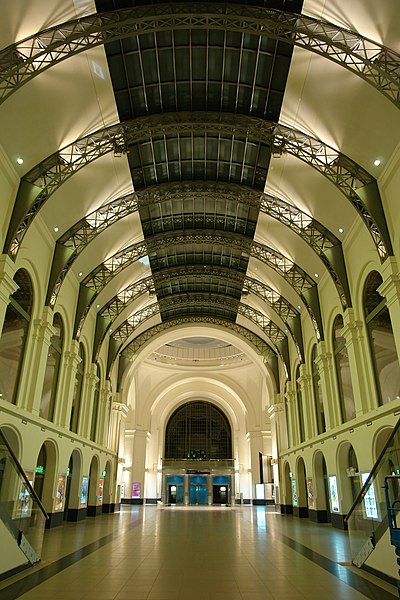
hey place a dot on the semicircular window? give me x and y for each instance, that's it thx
(198, 431)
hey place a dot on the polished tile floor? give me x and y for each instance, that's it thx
(156, 553)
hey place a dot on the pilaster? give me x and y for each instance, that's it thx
(103, 420)
(307, 398)
(290, 396)
(43, 331)
(7, 285)
(68, 371)
(390, 289)
(90, 383)
(361, 367)
(324, 362)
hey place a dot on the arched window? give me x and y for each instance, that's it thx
(14, 336)
(318, 399)
(78, 389)
(52, 371)
(380, 333)
(96, 404)
(343, 375)
(198, 430)
(300, 411)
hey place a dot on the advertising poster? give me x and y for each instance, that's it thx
(84, 490)
(100, 491)
(136, 490)
(371, 509)
(24, 500)
(310, 493)
(60, 494)
(334, 493)
(294, 493)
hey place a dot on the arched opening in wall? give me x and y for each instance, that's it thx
(349, 475)
(93, 508)
(52, 371)
(198, 468)
(381, 340)
(78, 389)
(343, 374)
(45, 477)
(388, 465)
(318, 491)
(73, 487)
(301, 510)
(317, 389)
(287, 505)
(108, 506)
(12, 486)
(14, 335)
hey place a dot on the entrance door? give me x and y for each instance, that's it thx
(198, 493)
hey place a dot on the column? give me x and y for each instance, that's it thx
(7, 285)
(360, 363)
(116, 432)
(324, 363)
(307, 398)
(85, 420)
(69, 367)
(43, 331)
(140, 437)
(104, 413)
(390, 289)
(290, 396)
(255, 440)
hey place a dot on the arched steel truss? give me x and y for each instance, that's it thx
(135, 346)
(268, 327)
(321, 240)
(352, 180)
(109, 313)
(301, 282)
(374, 63)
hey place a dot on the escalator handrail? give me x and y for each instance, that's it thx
(365, 487)
(32, 492)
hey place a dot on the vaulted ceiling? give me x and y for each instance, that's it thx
(201, 162)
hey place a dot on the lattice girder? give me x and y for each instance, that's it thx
(373, 62)
(44, 179)
(125, 297)
(311, 231)
(268, 327)
(259, 345)
(292, 273)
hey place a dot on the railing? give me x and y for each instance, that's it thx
(21, 510)
(198, 463)
(367, 519)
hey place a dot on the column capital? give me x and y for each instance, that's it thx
(43, 327)
(290, 393)
(7, 284)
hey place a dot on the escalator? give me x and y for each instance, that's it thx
(22, 516)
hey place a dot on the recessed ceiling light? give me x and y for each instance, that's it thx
(80, 273)
(341, 230)
(299, 307)
(316, 275)
(20, 160)
(97, 305)
(377, 162)
(56, 229)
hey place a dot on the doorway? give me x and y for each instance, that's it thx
(198, 493)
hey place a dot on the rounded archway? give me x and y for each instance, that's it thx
(320, 510)
(73, 487)
(301, 510)
(93, 508)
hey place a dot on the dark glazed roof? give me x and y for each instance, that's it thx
(187, 71)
